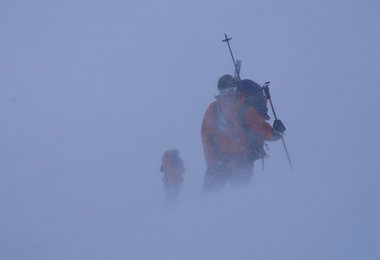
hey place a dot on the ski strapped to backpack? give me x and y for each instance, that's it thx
(237, 69)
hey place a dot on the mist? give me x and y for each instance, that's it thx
(93, 92)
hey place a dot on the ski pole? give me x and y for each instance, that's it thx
(237, 72)
(227, 40)
(267, 94)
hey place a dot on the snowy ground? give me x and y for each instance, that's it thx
(79, 211)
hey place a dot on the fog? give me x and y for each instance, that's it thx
(93, 92)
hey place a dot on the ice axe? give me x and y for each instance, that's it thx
(268, 96)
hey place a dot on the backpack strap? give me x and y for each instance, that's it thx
(220, 119)
(241, 115)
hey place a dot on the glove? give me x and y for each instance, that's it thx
(279, 126)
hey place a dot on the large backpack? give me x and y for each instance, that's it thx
(255, 98)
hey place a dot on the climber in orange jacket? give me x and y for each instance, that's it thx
(226, 129)
(172, 168)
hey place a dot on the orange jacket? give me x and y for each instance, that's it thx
(222, 132)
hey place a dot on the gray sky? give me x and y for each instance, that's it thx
(93, 92)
